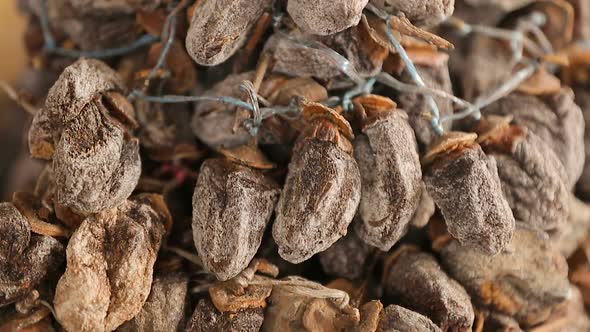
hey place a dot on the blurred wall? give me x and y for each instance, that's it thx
(12, 55)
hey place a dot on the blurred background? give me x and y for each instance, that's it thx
(15, 165)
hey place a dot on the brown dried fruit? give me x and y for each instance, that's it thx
(41, 259)
(206, 318)
(219, 27)
(183, 73)
(391, 177)
(464, 184)
(570, 316)
(325, 17)
(164, 308)
(321, 192)
(423, 13)
(213, 122)
(531, 175)
(89, 29)
(556, 119)
(416, 106)
(576, 229)
(424, 210)
(297, 304)
(540, 83)
(109, 7)
(15, 231)
(526, 281)
(232, 204)
(346, 258)
(582, 19)
(110, 262)
(416, 280)
(85, 128)
(396, 318)
(583, 99)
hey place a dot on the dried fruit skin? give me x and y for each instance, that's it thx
(213, 122)
(220, 27)
(319, 199)
(396, 318)
(391, 177)
(424, 13)
(15, 231)
(583, 100)
(110, 7)
(42, 257)
(95, 167)
(295, 308)
(416, 106)
(164, 308)
(425, 209)
(556, 119)
(419, 283)
(531, 177)
(346, 258)
(527, 281)
(110, 262)
(206, 318)
(232, 204)
(96, 164)
(89, 29)
(325, 17)
(466, 188)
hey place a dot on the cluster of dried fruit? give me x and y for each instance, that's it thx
(199, 154)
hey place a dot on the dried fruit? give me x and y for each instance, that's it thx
(298, 304)
(232, 204)
(85, 128)
(526, 281)
(531, 175)
(423, 13)
(164, 308)
(387, 155)
(15, 231)
(556, 119)
(416, 280)
(464, 184)
(424, 210)
(219, 27)
(110, 262)
(396, 318)
(326, 17)
(415, 105)
(41, 259)
(207, 318)
(346, 258)
(322, 189)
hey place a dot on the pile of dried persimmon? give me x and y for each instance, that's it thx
(298, 165)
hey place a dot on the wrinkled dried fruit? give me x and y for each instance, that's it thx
(346, 258)
(110, 262)
(424, 210)
(424, 13)
(164, 308)
(89, 28)
(526, 281)
(396, 318)
(85, 128)
(417, 107)
(556, 119)
(321, 192)
(571, 315)
(464, 184)
(416, 280)
(325, 17)
(109, 7)
(15, 231)
(387, 156)
(297, 304)
(220, 27)
(232, 204)
(41, 259)
(531, 175)
(576, 229)
(206, 318)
